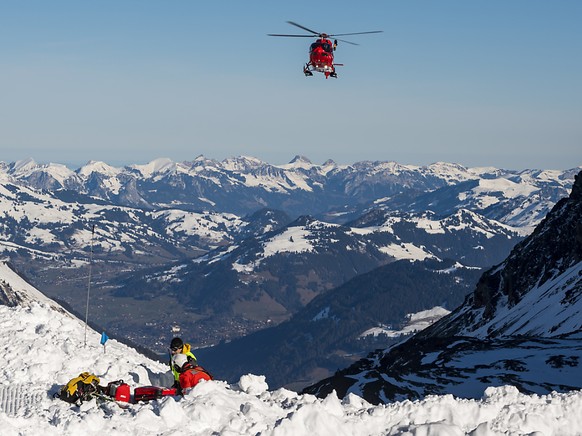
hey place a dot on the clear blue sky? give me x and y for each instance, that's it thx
(496, 82)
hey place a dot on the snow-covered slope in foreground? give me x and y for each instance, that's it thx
(42, 349)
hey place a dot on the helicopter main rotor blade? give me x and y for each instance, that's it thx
(303, 27)
(296, 36)
(356, 33)
(322, 35)
(349, 42)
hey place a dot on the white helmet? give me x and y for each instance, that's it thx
(179, 360)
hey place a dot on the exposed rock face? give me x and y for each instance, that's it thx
(16, 291)
(549, 252)
(7, 295)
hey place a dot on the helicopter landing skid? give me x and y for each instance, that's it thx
(306, 71)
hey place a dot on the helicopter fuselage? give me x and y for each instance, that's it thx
(321, 57)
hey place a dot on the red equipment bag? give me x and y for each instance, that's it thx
(147, 393)
(119, 391)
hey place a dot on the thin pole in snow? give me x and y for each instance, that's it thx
(89, 283)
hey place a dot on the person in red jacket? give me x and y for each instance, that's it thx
(190, 374)
(178, 346)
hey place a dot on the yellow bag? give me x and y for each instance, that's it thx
(79, 389)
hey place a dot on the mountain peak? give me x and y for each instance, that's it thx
(299, 158)
(94, 166)
(159, 165)
(23, 166)
(299, 162)
(41, 175)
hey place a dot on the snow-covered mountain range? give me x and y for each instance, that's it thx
(195, 206)
(522, 324)
(243, 185)
(235, 246)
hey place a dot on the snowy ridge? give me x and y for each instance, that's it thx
(214, 227)
(416, 322)
(37, 221)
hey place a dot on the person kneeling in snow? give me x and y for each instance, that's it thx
(190, 374)
(177, 346)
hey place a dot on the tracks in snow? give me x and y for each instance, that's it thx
(17, 399)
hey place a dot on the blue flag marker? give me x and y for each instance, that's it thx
(104, 338)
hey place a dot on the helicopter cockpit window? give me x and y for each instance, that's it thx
(325, 46)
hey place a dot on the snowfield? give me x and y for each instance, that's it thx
(42, 349)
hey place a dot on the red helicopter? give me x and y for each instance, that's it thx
(321, 51)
